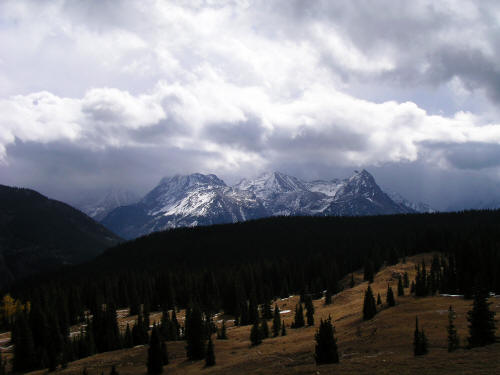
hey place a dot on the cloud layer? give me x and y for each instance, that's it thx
(140, 89)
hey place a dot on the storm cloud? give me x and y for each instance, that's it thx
(102, 93)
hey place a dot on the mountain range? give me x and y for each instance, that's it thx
(198, 199)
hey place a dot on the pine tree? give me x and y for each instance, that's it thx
(420, 343)
(369, 271)
(326, 345)
(390, 297)
(328, 297)
(195, 334)
(210, 357)
(299, 321)
(406, 280)
(24, 349)
(481, 321)
(379, 300)
(155, 363)
(453, 339)
(255, 334)
(401, 289)
(369, 307)
(222, 334)
(283, 328)
(276, 321)
(351, 284)
(309, 311)
(267, 313)
(264, 329)
(113, 371)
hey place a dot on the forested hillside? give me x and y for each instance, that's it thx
(39, 234)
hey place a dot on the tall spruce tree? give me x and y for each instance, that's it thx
(128, 341)
(113, 371)
(255, 334)
(222, 334)
(299, 321)
(328, 297)
(401, 289)
(283, 328)
(24, 349)
(453, 339)
(481, 320)
(264, 329)
(369, 306)
(369, 271)
(276, 321)
(406, 280)
(210, 356)
(379, 299)
(326, 345)
(195, 334)
(390, 297)
(155, 362)
(420, 344)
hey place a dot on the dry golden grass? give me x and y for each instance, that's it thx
(382, 345)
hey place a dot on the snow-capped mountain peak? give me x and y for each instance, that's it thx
(198, 199)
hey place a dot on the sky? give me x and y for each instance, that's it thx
(100, 94)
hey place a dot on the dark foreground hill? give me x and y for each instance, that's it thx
(38, 234)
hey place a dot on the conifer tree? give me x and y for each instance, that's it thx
(155, 363)
(175, 325)
(113, 371)
(267, 313)
(453, 339)
(481, 320)
(379, 300)
(299, 321)
(390, 297)
(255, 334)
(326, 345)
(195, 334)
(369, 271)
(283, 328)
(309, 311)
(222, 334)
(401, 289)
(406, 280)
(351, 284)
(420, 343)
(264, 329)
(328, 297)
(22, 339)
(369, 307)
(210, 357)
(276, 321)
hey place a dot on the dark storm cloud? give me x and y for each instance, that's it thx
(100, 93)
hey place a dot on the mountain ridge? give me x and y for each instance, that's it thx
(199, 199)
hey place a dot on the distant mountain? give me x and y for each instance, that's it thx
(417, 206)
(199, 199)
(183, 201)
(37, 233)
(98, 208)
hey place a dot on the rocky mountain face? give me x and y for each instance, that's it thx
(199, 199)
(38, 234)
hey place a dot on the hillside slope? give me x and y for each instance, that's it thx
(37, 234)
(382, 345)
